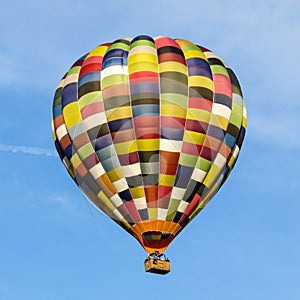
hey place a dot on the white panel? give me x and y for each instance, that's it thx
(120, 185)
(183, 206)
(131, 170)
(178, 193)
(95, 120)
(221, 110)
(116, 200)
(161, 213)
(117, 215)
(97, 171)
(142, 49)
(113, 70)
(198, 175)
(236, 151)
(71, 78)
(61, 131)
(170, 145)
(140, 203)
(220, 161)
(61, 84)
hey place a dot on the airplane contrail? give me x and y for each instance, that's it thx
(27, 150)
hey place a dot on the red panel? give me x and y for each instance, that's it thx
(172, 122)
(165, 191)
(192, 205)
(65, 142)
(90, 68)
(168, 162)
(58, 121)
(127, 159)
(91, 161)
(200, 103)
(222, 85)
(191, 149)
(146, 121)
(142, 76)
(81, 140)
(81, 170)
(197, 126)
(174, 57)
(91, 109)
(133, 211)
(151, 193)
(165, 41)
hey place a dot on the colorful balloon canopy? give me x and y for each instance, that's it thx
(149, 129)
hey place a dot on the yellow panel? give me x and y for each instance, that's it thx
(166, 180)
(244, 122)
(173, 111)
(198, 114)
(116, 174)
(75, 160)
(194, 137)
(137, 192)
(71, 114)
(119, 113)
(148, 145)
(201, 81)
(142, 57)
(152, 212)
(106, 201)
(145, 66)
(212, 175)
(126, 147)
(231, 161)
(183, 42)
(170, 66)
(194, 53)
(99, 51)
(219, 121)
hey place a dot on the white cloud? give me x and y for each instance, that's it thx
(27, 150)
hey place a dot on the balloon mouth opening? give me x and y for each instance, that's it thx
(156, 240)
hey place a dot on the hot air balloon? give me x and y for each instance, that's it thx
(149, 129)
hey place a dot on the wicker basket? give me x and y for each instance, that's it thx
(157, 266)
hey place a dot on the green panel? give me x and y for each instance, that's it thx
(89, 98)
(172, 209)
(188, 160)
(114, 79)
(203, 164)
(142, 43)
(217, 69)
(74, 70)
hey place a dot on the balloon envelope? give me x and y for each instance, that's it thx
(149, 129)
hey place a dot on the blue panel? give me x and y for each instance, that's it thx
(144, 87)
(114, 62)
(89, 77)
(69, 94)
(198, 67)
(229, 140)
(171, 134)
(121, 124)
(57, 110)
(145, 110)
(102, 142)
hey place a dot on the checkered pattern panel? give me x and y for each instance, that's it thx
(149, 129)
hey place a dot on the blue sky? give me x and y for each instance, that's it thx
(55, 245)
